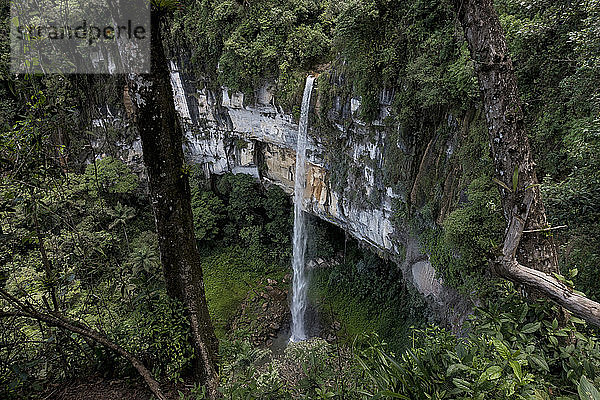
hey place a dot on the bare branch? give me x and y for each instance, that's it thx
(58, 320)
(553, 289)
(546, 229)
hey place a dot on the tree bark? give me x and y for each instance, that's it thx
(161, 136)
(515, 170)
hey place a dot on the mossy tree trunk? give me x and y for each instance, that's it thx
(157, 121)
(528, 255)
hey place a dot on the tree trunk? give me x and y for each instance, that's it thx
(161, 136)
(510, 146)
(515, 169)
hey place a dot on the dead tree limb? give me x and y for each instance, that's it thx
(58, 320)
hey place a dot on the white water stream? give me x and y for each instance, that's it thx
(300, 281)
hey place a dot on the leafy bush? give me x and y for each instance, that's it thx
(109, 176)
(278, 212)
(258, 42)
(574, 202)
(157, 331)
(311, 369)
(240, 377)
(470, 234)
(405, 45)
(515, 349)
(208, 211)
(240, 210)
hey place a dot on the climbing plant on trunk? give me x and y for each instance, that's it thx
(156, 119)
(528, 255)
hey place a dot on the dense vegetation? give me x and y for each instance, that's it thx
(415, 49)
(77, 234)
(514, 350)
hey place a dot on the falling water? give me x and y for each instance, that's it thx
(300, 284)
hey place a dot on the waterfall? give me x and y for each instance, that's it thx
(300, 281)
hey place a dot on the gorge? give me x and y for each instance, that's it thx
(260, 140)
(309, 199)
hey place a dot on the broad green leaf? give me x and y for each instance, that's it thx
(501, 348)
(539, 362)
(492, 373)
(388, 394)
(586, 390)
(531, 327)
(516, 367)
(461, 384)
(559, 277)
(455, 367)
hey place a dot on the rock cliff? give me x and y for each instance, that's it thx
(346, 185)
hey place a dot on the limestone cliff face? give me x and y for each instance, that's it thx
(261, 140)
(224, 134)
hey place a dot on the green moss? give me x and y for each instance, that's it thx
(392, 322)
(229, 274)
(459, 251)
(367, 294)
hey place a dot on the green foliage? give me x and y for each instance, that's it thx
(325, 239)
(404, 45)
(240, 375)
(258, 42)
(229, 274)
(209, 212)
(574, 202)
(96, 273)
(555, 48)
(144, 256)
(157, 331)
(557, 71)
(243, 198)
(511, 349)
(107, 270)
(471, 233)
(367, 294)
(514, 350)
(240, 210)
(311, 369)
(109, 176)
(276, 204)
(586, 390)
